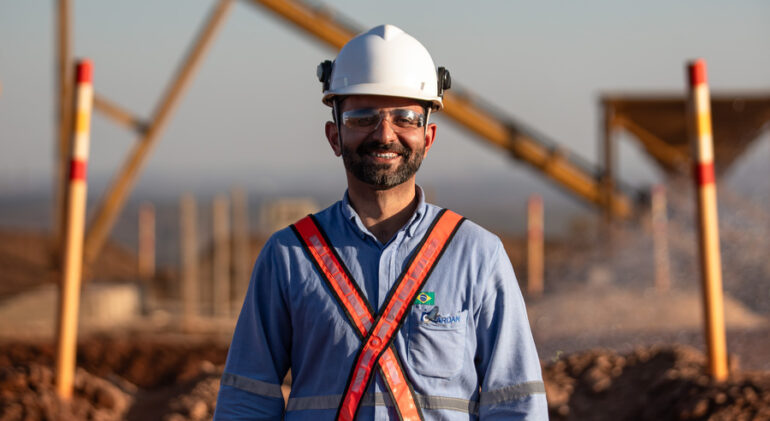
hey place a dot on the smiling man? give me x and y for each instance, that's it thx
(383, 306)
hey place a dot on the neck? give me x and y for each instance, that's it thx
(383, 212)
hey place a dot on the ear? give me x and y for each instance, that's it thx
(430, 136)
(332, 136)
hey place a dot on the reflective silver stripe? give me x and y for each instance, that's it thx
(382, 399)
(253, 386)
(452, 404)
(314, 402)
(511, 393)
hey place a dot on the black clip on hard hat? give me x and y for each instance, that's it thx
(324, 73)
(444, 80)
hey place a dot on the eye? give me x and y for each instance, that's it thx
(360, 118)
(366, 121)
(407, 119)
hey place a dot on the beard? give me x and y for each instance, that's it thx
(382, 176)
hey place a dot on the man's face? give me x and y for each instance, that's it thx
(388, 151)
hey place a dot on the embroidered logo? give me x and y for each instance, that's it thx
(436, 318)
(425, 297)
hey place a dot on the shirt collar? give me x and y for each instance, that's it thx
(411, 225)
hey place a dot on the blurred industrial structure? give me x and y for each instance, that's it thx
(657, 121)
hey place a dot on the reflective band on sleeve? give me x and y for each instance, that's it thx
(452, 404)
(511, 393)
(381, 399)
(256, 387)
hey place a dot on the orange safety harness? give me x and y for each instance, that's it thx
(377, 333)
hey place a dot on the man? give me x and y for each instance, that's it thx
(383, 306)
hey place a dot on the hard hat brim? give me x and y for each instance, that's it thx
(379, 89)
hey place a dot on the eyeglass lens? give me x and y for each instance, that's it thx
(370, 118)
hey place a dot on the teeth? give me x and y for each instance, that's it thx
(385, 155)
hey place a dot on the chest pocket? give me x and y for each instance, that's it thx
(436, 341)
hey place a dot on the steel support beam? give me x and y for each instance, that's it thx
(665, 153)
(116, 195)
(120, 115)
(553, 163)
(317, 22)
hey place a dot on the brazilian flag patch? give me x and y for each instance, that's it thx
(425, 297)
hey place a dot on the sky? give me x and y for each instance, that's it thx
(253, 115)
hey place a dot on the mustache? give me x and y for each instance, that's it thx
(368, 147)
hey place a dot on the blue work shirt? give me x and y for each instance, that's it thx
(472, 358)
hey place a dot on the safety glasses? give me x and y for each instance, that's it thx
(368, 119)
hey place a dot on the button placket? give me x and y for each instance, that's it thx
(385, 278)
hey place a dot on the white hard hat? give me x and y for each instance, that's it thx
(384, 61)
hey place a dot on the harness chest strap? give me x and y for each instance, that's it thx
(358, 311)
(377, 334)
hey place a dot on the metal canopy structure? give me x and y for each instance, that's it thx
(659, 123)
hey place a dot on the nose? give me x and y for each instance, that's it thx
(384, 131)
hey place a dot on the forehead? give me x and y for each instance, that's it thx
(374, 101)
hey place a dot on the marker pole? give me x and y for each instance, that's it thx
(708, 228)
(221, 261)
(75, 212)
(660, 239)
(241, 247)
(535, 246)
(146, 263)
(190, 287)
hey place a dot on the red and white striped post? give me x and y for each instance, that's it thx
(535, 246)
(75, 212)
(708, 224)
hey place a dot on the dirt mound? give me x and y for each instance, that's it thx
(199, 403)
(27, 260)
(167, 379)
(149, 363)
(658, 383)
(28, 393)
(118, 378)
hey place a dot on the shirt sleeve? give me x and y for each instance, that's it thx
(259, 355)
(506, 358)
